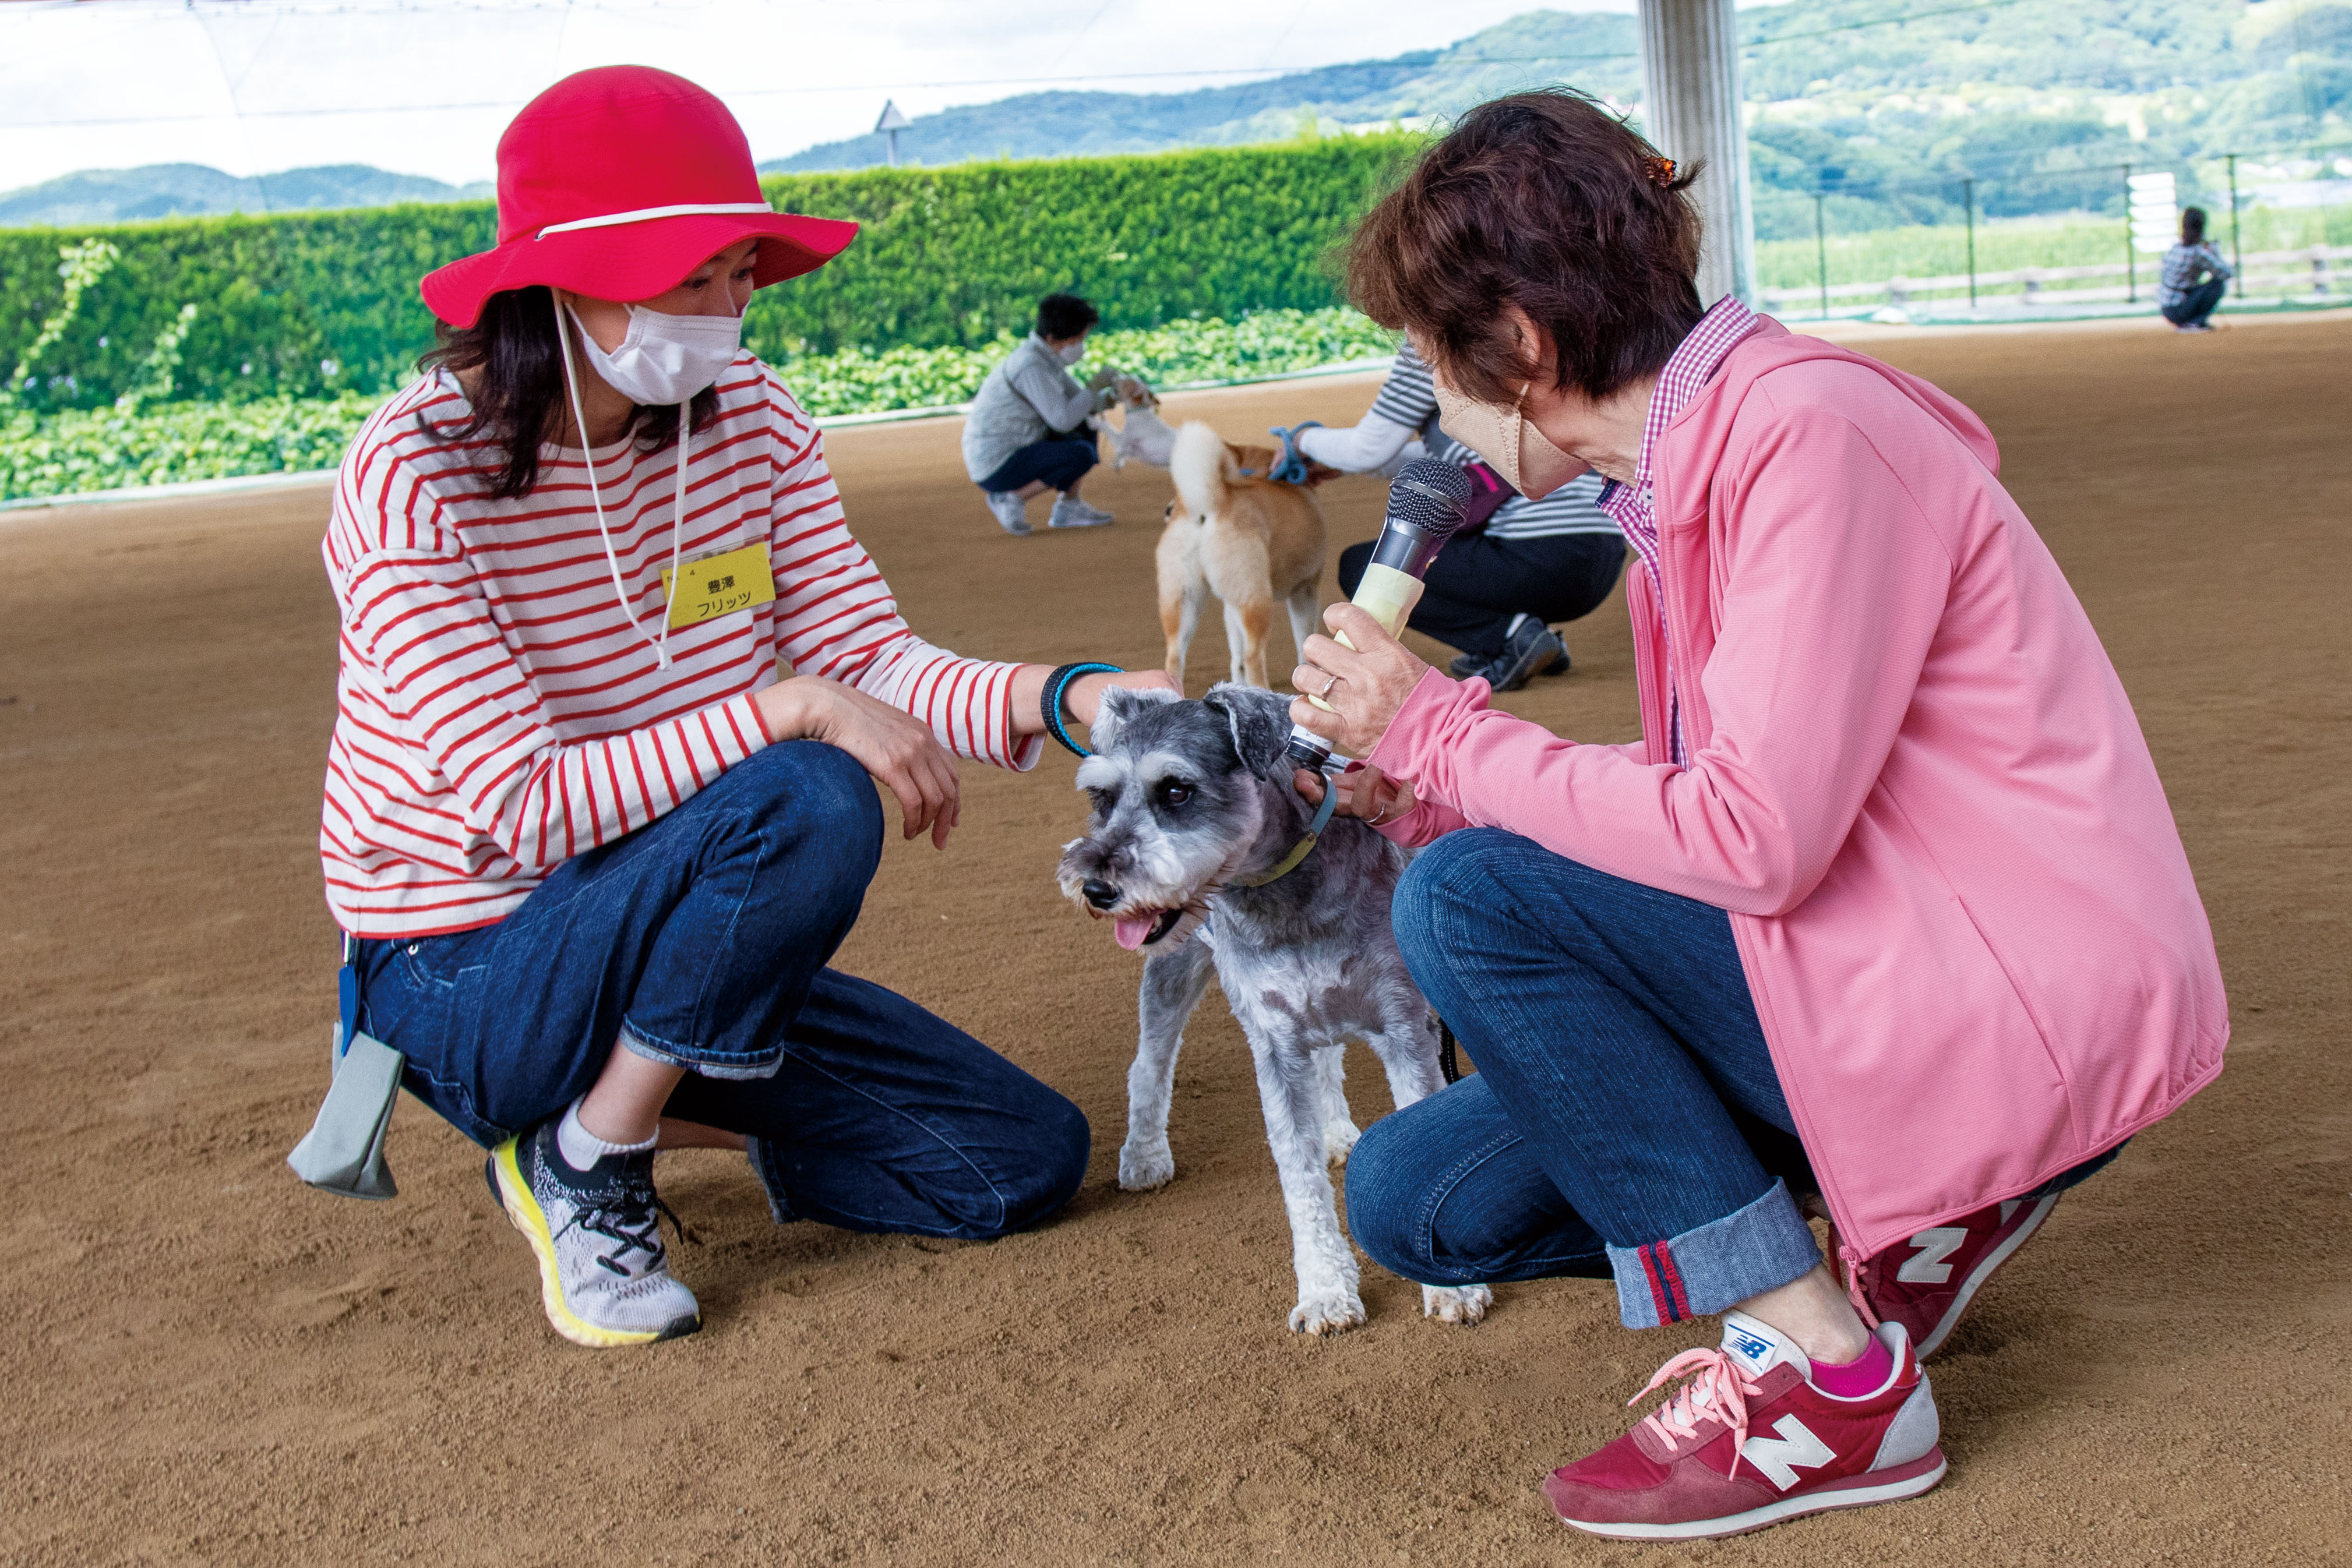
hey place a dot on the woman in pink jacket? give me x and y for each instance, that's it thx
(1885, 917)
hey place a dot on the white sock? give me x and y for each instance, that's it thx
(581, 1148)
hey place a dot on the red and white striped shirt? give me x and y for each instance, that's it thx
(498, 713)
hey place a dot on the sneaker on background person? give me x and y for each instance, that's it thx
(603, 1273)
(1929, 1282)
(1009, 509)
(1465, 665)
(1530, 649)
(1069, 512)
(1754, 1438)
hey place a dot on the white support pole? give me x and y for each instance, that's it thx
(1690, 110)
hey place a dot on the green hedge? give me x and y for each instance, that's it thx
(320, 304)
(69, 450)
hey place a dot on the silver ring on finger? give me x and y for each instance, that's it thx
(1330, 685)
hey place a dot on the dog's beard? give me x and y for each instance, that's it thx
(1165, 897)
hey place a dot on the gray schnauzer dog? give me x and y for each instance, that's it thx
(1190, 855)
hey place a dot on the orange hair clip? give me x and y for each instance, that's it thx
(1661, 171)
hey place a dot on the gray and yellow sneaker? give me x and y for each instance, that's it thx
(603, 1273)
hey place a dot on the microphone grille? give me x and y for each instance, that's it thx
(1429, 496)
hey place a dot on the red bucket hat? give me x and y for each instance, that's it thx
(618, 182)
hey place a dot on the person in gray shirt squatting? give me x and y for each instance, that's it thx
(1028, 433)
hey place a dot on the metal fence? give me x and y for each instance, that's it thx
(2316, 274)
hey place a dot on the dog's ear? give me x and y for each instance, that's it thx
(1260, 724)
(1118, 705)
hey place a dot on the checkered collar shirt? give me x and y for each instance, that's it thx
(1634, 508)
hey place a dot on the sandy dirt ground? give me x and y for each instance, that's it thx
(205, 1361)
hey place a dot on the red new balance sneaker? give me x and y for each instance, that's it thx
(1928, 1283)
(1750, 1441)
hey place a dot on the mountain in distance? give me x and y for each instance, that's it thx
(195, 190)
(1882, 119)
(2040, 102)
(1597, 52)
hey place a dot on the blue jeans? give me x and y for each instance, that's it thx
(1625, 1120)
(1058, 462)
(701, 939)
(2197, 304)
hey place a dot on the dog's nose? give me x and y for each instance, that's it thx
(1100, 893)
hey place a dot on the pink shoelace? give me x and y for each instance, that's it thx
(1717, 1394)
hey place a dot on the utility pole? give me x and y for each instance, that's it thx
(1821, 246)
(2237, 258)
(889, 125)
(1690, 110)
(1970, 197)
(2131, 253)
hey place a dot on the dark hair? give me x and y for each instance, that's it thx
(518, 398)
(1065, 316)
(1544, 201)
(2192, 225)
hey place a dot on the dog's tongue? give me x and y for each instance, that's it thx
(1132, 929)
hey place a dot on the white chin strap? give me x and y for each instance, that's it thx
(678, 521)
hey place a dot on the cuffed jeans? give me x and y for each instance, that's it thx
(1625, 1120)
(701, 939)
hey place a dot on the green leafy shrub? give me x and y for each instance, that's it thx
(72, 449)
(106, 448)
(318, 304)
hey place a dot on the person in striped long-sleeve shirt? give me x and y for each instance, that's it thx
(590, 854)
(1494, 590)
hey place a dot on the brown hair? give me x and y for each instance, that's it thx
(1547, 202)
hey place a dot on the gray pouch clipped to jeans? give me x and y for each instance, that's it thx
(344, 1150)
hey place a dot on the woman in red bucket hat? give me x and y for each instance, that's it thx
(590, 855)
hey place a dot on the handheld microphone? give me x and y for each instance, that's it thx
(1425, 508)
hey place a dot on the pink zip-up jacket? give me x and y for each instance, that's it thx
(1913, 780)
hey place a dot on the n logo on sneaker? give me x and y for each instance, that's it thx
(1926, 1266)
(1780, 1457)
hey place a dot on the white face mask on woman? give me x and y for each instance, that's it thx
(1506, 442)
(665, 359)
(658, 361)
(1071, 353)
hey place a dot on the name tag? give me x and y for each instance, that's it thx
(716, 585)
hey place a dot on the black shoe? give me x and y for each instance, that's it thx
(1531, 647)
(1465, 665)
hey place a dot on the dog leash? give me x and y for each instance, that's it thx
(1290, 469)
(1303, 847)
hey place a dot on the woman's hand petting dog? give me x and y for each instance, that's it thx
(1371, 794)
(896, 749)
(1367, 684)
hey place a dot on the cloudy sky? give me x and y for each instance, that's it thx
(425, 85)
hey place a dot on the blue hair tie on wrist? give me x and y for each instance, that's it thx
(1050, 700)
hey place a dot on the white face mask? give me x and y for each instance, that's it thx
(1506, 442)
(677, 390)
(1071, 353)
(665, 359)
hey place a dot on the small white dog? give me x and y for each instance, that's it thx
(1142, 435)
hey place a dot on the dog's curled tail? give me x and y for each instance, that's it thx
(1201, 468)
